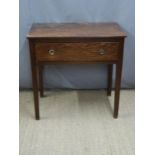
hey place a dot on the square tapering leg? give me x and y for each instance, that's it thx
(110, 70)
(34, 80)
(41, 86)
(117, 89)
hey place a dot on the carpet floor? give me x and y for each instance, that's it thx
(77, 123)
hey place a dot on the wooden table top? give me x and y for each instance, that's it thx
(64, 30)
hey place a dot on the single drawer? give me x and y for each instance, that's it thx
(92, 51)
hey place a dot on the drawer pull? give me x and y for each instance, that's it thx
(101, 51)
(51, 52)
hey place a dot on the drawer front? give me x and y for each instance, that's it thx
(94, 51)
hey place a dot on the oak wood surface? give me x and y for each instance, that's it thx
(54, 30)
(118, 74)
(77, 51)
(109, 83)
(40, 81)
(34, 79)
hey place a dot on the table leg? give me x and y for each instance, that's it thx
(117, 88)
(110, 70)
(41, 81)
(35, 92)
(34, 70)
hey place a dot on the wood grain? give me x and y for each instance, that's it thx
(60, 30)
(77, 51)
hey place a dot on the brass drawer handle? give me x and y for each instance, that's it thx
(101, 51)
(51, 52)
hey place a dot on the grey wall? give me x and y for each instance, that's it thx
(77, 76)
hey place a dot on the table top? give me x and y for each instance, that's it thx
(65, 30)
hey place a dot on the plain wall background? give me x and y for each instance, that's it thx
(77, 76)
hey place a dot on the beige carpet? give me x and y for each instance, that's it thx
(77, 123)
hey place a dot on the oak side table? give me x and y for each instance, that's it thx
(52, 43)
